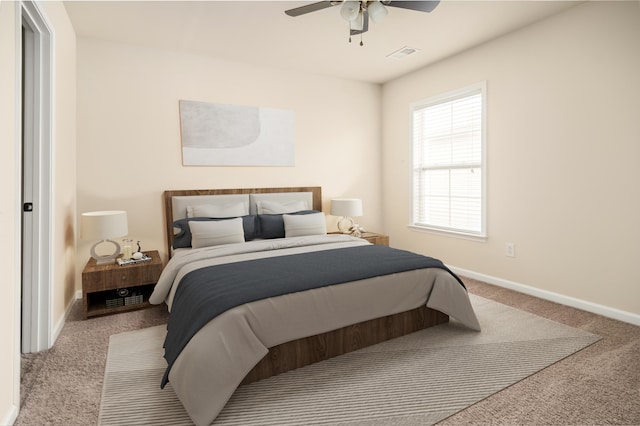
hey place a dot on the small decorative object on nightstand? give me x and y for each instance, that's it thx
(112, 288)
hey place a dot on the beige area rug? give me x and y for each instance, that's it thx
(417, 379)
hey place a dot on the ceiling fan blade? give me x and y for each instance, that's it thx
(420, 6)
(365, 24)
(313, 7)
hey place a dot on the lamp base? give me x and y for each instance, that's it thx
(108, 259)
(345, 223)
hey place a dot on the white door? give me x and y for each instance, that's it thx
(36, 177)
(28, 104)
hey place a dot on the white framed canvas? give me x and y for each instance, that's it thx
(235, 135)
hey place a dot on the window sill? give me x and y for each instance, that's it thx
(449, 233)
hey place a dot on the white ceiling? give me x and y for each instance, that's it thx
(259, 32)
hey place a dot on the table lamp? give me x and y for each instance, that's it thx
(347, 208)
(103, 226)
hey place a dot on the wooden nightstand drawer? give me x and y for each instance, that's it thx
(115, 278)
(151, 273)
(126, 276)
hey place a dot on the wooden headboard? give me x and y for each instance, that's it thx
(168, 201)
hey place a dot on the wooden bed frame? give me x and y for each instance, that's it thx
(298, 353)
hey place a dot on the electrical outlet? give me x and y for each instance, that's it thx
(510, 249)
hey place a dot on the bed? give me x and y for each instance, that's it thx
(256, 287)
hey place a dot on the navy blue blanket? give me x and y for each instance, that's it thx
(206, 293)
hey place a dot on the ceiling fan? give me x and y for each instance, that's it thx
(357, 13)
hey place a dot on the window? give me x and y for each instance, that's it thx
(448, 162)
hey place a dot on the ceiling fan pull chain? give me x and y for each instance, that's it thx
(361, 43)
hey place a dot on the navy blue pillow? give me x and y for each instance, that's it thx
(183, 239)
(272, 225)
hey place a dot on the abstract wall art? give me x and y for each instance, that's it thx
(235, 135)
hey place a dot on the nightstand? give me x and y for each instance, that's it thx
(372, 237)
(104, 286)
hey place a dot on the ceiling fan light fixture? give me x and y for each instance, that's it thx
(350, 10)
(377, 11)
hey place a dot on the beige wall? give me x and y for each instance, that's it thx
(64, 160)
(129, 148)
(9, 233)
(563, 152)
(63, 190)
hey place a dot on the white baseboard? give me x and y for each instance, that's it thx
(10, 417)
(595, 308)
(58, 327)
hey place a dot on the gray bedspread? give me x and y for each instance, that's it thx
(207, 292)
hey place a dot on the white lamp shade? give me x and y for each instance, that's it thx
(349, 10)
(103, 225)
(348, 207)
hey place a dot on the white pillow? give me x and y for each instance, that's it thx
(216, 232)
(217, 211)
(298, 225)
(272, 207)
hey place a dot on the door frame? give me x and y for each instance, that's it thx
(36, 304)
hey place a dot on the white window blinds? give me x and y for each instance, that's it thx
(448, 162)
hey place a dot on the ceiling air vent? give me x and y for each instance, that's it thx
(403, 52)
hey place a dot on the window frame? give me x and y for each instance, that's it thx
(467, 91)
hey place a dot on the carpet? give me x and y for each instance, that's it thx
(417, 379)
